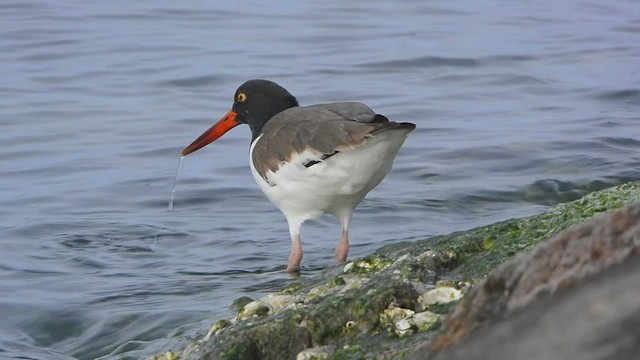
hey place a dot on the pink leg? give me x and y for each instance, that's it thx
(295, 258)
(342, 250)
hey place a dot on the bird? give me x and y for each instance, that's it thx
(311, 160)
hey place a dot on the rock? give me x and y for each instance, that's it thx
(254, 309)
(316, 353)
(343, 308)
(368, 264)
(216, 328)
(551, 267)
(403, 327)
(238, 304)
(425, 320)
(169, 355)
(438, 296)
(325, 320)
(278, 302)
(395, 318)
(268, 305)
(394, 314)
(596, 320)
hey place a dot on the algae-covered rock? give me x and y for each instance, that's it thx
(268, 305)
(395, 318)
(464, 255)
(405, 322)
(254, 309)
(216, 328)
(368, 264)
(394, 314)
(439, 296)
(599, 319)
(403, 327)
(425, 320)
(342, 310)
(238, 304)
(552, 266)
(316, 353)
(169, 355)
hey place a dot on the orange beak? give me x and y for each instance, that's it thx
(218, 129)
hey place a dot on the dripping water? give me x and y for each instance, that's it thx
(175, 182)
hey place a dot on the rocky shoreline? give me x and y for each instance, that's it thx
(403, 302)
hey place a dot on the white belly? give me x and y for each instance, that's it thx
(334, 186)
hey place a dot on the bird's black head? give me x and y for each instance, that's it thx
(257, 101)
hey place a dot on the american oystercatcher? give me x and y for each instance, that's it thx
(311, 160)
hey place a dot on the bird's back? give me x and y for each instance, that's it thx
(324, 129)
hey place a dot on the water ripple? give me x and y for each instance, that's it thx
(196, 81)
(422, 62)
(627, 96)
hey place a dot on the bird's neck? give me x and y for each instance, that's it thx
(256, 129)
(257, 123)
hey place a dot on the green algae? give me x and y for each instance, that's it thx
(331, 315)
(368, 264)
(337, 281)
(238, 304)
(348, 352)
(218, 326)
(443, 309)
(432, 323)
(479, 250)
(291, 288)
(169, 355)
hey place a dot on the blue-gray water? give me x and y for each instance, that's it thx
(519, 105)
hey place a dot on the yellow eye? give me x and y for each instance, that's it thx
(241, 97)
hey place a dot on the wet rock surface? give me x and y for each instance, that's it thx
(598, 319)
(390, 305)
(335, 317)
(552, 266)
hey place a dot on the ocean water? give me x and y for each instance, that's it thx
(519, 105)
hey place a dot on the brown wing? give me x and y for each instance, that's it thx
(326, 129)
